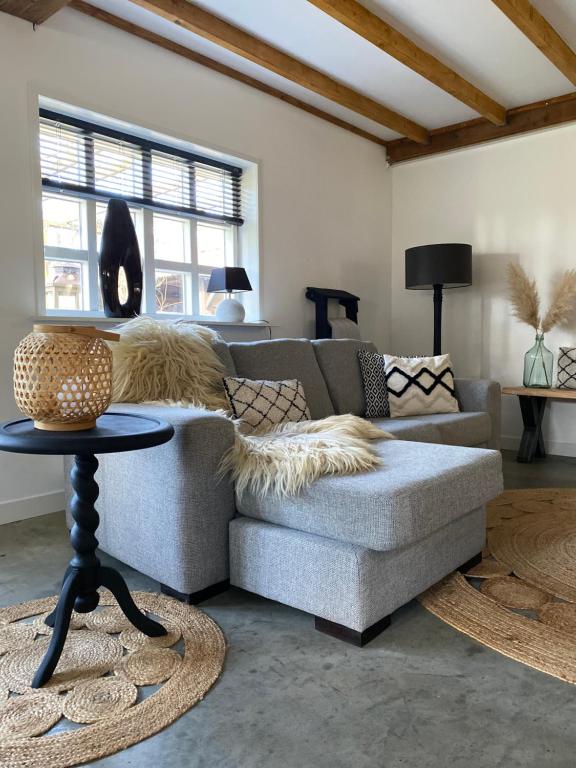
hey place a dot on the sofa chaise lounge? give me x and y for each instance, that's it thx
(349, 549)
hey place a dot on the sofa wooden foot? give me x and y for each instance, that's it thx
(476, 560)
(351, 635)
(196, 597)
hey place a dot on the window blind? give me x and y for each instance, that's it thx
(89, 160)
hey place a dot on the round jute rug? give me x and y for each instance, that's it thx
(522, 600)
(112, 688)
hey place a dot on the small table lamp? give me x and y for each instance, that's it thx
(444, 265)
(229, 280)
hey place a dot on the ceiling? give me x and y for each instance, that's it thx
(473, 37)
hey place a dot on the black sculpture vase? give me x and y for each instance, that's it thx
(119, 250)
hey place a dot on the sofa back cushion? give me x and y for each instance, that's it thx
(221, 349)
(338, 361)
(285, 359)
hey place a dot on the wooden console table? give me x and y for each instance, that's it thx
(532, 404)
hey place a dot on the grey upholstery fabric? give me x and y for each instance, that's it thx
(164, 513)
(416, 428)
(482, 395)
(221, 349)
(467, 429)
(338, 361)
(162, 510)
(285, 359)
(419, 488)
(343, 582)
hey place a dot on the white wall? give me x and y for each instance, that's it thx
(512, 200)
(324, 193)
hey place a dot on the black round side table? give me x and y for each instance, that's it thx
(114, 432)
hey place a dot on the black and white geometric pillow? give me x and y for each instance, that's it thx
(373, 370)
(263, 404)
(567, 368)
(420, 385)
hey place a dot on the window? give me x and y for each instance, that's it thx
(185, 208)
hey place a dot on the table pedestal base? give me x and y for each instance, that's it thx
(532, 442)
(85, 574)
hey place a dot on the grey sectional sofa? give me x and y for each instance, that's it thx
(349, 550)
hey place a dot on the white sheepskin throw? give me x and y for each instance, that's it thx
(170, 362)
(292, 455)
(175, 364)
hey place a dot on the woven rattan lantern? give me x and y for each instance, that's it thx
(63, 376)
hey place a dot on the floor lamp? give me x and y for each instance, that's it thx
(438, 266)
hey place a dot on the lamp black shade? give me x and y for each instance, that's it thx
(445, 264)
(438, 266)
(228, 280)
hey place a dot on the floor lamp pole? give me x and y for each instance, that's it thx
(437, 319)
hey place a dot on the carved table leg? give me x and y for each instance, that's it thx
(62, 622)
(85, 574)
(115, 583)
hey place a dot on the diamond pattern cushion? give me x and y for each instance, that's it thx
(567, 368)
(262, 404)
(281, 359)
(420, 385)
(373, 370)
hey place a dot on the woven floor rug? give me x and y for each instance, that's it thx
(521, 600)
(113, 686)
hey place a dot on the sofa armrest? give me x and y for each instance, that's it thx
(482, 395)
(163, 510)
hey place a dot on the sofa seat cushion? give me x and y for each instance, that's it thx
(464, 428)
(419, 488)
(417, 428)
(282, 359)
(468, 429)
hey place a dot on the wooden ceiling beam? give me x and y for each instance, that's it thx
(36, 11)
(205, 61)
(540, 32)
(530, 117)
(378, 32)
(234, 39)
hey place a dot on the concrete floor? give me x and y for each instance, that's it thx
(420, 696)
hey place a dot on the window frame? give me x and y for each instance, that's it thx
(90, 197)
(88, 256)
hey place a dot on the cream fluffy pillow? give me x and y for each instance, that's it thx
(420, 385)
(157, 360)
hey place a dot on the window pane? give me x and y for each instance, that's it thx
(101, 209)
(211, 245)
(170, 292)
(62, 153)
(171, 238)
(170, 181)
(213, 191)
(62, 217)
(65, 285)
(208, 301)
(118, 168)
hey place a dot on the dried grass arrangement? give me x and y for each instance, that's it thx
(525, 300)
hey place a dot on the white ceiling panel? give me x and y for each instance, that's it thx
(477, 40)
(167, 29)
(562, 15)
(472, 36)
(302, 30)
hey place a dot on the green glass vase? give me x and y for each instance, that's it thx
(538, 365)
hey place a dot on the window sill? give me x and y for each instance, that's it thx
(94, 319)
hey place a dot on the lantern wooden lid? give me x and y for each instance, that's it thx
(79, 330)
